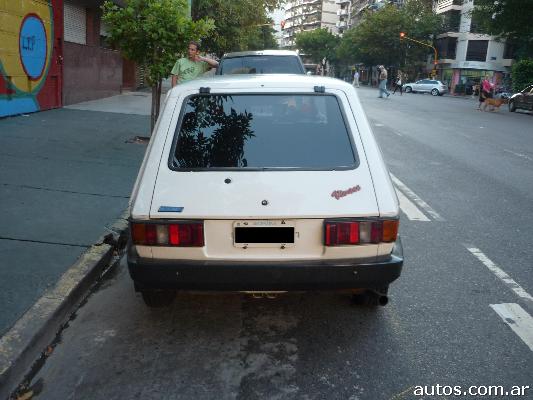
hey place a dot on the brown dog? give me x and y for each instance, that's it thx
(493, 104)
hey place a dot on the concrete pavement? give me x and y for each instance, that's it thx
(65, 178)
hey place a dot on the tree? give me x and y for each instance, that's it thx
(240, 24)
(320, 45)
(508, 19)
(522, 74)
(376, 40)
(153, 33)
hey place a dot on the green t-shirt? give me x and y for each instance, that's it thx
(187, 70)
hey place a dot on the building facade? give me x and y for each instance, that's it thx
(54, 53)
(465, 54)
(308, 15)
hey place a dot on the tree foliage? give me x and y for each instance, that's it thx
(522, 74)
(318, 45)
(240, 24)
(153, 33)
(509, 19)
(376, 40)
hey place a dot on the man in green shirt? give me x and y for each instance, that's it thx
(187, 69)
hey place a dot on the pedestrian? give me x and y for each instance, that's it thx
(382, 79)
(356, 79)
(484, 93)
(398, 84)
(192, 66)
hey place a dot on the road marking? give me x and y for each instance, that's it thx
(379, 125)
(518, 320)
(414, 197)
(500, 273)
(519, 154)
(409, 209)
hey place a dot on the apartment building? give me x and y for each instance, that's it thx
(465, 54)
(308, 15)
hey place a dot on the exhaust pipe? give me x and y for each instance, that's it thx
(371, 298)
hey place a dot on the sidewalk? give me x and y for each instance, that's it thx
(65, 176)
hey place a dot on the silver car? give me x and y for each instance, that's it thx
(436, 88)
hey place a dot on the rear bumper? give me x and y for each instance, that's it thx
(239, 276)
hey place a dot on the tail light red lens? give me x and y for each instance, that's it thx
(181, 234)
(338, 233)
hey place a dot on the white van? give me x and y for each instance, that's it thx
(263, 183)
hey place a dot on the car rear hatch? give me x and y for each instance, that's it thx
(290, 171)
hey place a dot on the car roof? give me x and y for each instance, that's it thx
(261, 53)
(266, 81)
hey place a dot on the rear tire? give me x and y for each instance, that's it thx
(434, 92)
(512, 106)
(408, 89)
(158, 298)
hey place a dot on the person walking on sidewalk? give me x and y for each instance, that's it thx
(192, 66)
(356, 79)
(382, 77)
(398, 84)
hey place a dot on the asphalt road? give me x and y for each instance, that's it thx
(458, 315)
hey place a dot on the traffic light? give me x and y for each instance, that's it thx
(402, 35)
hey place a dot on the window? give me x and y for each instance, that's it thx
(447, 47)
(477, 50)
(302, 131)
(451, 20)
(261, 65)
(75, 23)
(510, 50)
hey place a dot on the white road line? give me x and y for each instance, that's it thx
(414, 197)
(409, 209)
(519, 154)
(500, 273)
(518, 320)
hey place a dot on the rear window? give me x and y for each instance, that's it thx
(302, 131)
(261, 65)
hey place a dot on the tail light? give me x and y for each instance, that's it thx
(347, 232)
(177, 234)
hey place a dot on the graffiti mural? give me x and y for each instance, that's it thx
(30, 55)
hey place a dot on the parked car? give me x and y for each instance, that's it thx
(270, 184)
(261, 62)
(436, 88)
(522, 100)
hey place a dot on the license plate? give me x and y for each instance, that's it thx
(263, 233)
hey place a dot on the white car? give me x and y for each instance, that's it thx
(436, 88)
(263, 183)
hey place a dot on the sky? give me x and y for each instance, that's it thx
(277, 16)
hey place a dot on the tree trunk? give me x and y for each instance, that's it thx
(156, 103)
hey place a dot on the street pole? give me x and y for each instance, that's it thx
(435, 61)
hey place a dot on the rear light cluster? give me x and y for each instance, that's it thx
(339, 233)
(179, 234)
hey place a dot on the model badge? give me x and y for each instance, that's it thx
(341, 193)
(170, 209)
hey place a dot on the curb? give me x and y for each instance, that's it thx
(25, 342)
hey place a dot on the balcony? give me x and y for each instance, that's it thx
(447, 5)
(342, 12)
(341, 1)
(341, 24)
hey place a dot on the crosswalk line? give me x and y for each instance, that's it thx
(518, 320)
(409, 209)
(416, 199)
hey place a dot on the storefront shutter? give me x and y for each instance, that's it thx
(75, 23)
